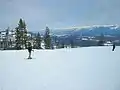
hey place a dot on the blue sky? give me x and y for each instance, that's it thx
(58, 13)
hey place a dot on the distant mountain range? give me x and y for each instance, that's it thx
(111, 30)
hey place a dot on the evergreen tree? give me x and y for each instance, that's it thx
(101, 41)
(55, 40)
(31, 36)
(47, 39)
(25, 37)
(22, 32)
(62, 46)
(72, 43)
(6, 37)
(10, 43)
(57, 44)
(17, 38)
(38, 41)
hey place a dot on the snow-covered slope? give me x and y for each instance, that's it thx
(93, 68)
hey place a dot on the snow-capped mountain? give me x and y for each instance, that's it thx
(112, 30)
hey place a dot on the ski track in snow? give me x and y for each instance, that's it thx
(91, 68)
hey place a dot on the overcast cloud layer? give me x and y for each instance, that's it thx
(58, 13)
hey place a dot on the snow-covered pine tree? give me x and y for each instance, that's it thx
(38, 41)
(47, 39)
(25, 37)
(6, 38)
(17, 38)
(21, 29)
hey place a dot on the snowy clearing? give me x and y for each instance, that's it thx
(92, 68)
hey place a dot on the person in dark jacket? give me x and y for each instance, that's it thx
(29, 50)
(113, 47)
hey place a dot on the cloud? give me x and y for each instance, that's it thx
(58, 13)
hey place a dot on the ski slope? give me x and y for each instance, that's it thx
(91, 68)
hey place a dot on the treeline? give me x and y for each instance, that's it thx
(22, 37)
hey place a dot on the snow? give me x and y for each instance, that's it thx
(89, 27)
(92, 68)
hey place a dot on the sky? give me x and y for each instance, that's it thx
(58, 13)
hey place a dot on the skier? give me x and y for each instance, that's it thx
(29, 50)
(113, 47)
